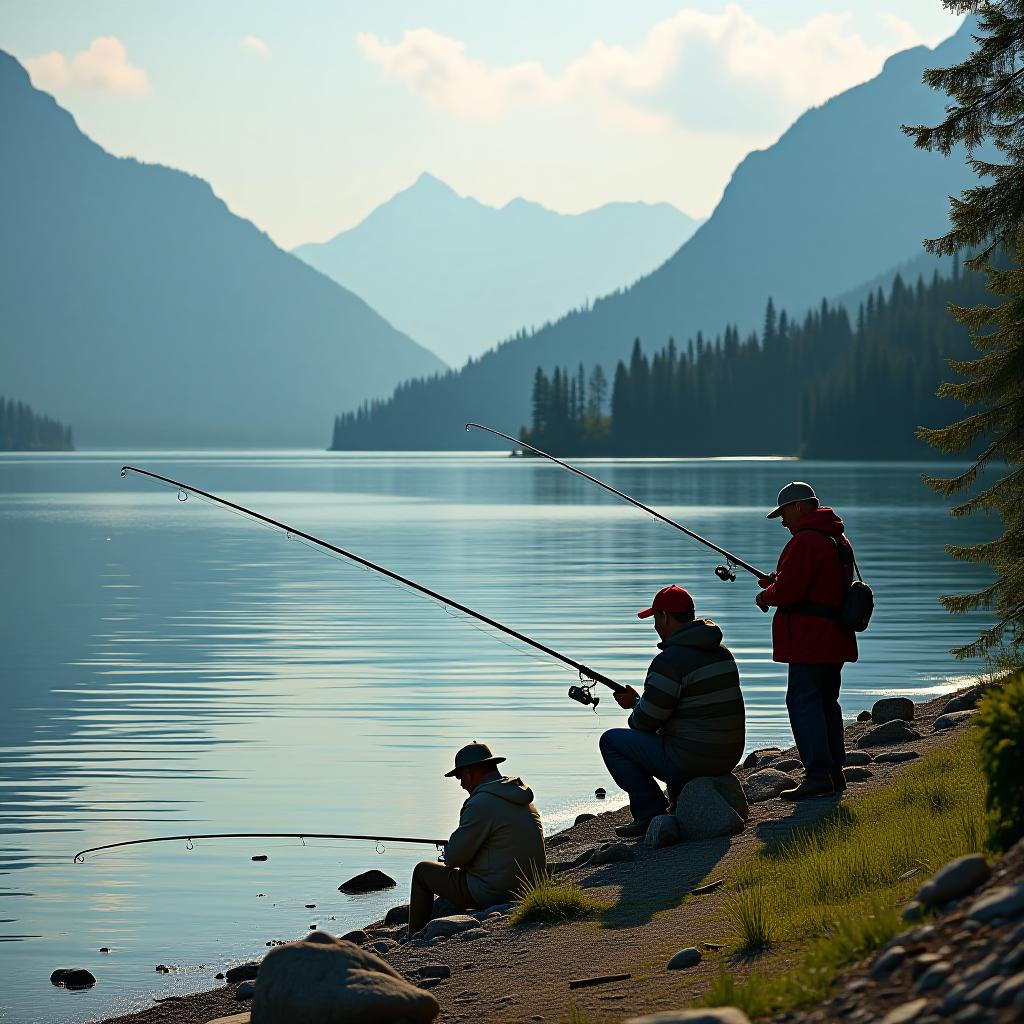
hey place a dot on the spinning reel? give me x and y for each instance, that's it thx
(583, 694)
(726, 573)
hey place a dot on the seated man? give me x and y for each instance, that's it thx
(689, 720)
(499, 842)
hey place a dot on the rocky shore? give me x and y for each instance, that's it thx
(664, 938)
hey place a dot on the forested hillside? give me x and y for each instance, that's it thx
(831, 386)
(22, 430)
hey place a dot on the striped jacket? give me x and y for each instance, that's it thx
(692, 698)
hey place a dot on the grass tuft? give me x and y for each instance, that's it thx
(541, 898)
(750, 913)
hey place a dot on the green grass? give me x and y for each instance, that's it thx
(541, 898)
(833, 889)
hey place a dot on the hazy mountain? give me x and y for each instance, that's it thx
(459, 275)
(136, 303)
(842, 195)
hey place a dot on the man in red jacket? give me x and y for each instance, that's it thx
(807, 589)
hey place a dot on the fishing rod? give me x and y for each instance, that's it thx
(303, 836)
(723, 572)
(578, 693)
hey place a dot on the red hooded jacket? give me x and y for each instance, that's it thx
(809, 570)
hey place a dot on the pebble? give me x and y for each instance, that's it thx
(983, 993)
(888, 962)
(688, 957)
(1008, 990)
(905, 1013)
(911, 912)
(1001, 901)
(935, 976)
(857, 774)
(921, 963)
(439, 971)
(382, 946)
(472, 934)
(613, 853)
(858, 758)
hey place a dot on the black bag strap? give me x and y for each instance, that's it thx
(827, 611)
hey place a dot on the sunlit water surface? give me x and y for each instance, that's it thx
(169, 667)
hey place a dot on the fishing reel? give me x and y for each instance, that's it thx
(726, 573)
(584, 696)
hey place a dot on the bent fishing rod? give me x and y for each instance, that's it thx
(379, 840)
(577, 693)
(723, 572)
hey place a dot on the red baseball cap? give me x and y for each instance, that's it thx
(669, 599)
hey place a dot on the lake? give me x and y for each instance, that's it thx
(170, 667)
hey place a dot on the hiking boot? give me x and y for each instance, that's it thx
(838, 780)
(811, 787)
(634, 830)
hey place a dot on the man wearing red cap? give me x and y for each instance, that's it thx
(807, 589)
(688, 722)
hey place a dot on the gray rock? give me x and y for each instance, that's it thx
(711, 806)
(1001, 901)
(397, 915)
(888, 962)
(982, 970)
(662, 831)
(761, 757)
(446, 927)
(857, 774)
(891, 732)
(434, 971)
(357, 935)
(788, 764)
(896, 756)
(242, 972)
(585, 816)
(864, 716)
(935, 976)
(472, 934)
(1008, 990)
(891, 709)
(496, 908)
(382, 946)
(954, 999)
(613, 853)
(963, 702)
(958, 878)
(245, 991)
(326, 980)
(858, 758)
(952, 720)
(912, 912)
(984, 992)
(73, 978)
(765, 784)
(715, 1015)
(369, 881)
(905, 1013)
(750, 760)
(688, 957)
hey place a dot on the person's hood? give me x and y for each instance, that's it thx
(514, 790)
(823, 519)
(702, 633)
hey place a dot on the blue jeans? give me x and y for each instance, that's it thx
(816, 718)
(635, 759)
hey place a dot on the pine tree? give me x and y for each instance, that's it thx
(988, 105)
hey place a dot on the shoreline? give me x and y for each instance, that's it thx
(501, 963)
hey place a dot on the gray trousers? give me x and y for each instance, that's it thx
(431, 878)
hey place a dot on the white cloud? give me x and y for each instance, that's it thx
(253, 44)
(104, 67)
(797, 67)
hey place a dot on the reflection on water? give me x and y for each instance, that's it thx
(170, 667)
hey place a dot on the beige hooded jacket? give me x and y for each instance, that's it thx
(499, 841)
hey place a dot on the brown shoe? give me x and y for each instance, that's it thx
(811, 787)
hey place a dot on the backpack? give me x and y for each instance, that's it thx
(854, 613)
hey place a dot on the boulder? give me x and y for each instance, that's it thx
(858, 758)
(357, 935)
(762, 756)
(712, 1015)
(896, 731)
(952, 720)
(438, 971)
(585, 816)
(963, 702)
(245, 991)
(73, 978)
(711, 806)
(242, 972)
(612, 853)
(685, 958)
(864, 716)
(382, 946)
(857, 774)
(958, 878)
(397, 915)
(788, 764)
(324, 979)
(446, 927)
(662, 831)
(895, 756)
(765, 784)
(1001, 901)
(369, 881)
(892, 709)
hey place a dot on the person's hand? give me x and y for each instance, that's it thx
(764, 582)
(626, 698)
(761, 601)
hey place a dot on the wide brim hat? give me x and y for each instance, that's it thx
(795, 491)
(471, 755)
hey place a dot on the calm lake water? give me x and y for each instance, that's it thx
(169, 667)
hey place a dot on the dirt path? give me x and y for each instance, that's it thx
(522, 974)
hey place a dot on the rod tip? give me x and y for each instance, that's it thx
(124, 471)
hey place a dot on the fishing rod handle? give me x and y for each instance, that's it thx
(600, 678)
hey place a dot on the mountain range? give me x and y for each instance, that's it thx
(459, 275)
(138, 308)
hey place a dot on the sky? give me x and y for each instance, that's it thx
(306, 116)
